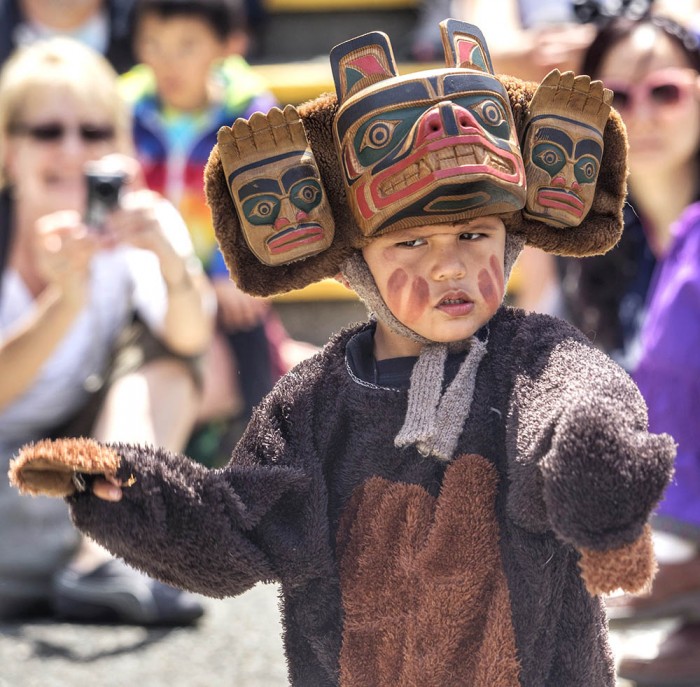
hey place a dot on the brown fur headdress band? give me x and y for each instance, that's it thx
(295, 192)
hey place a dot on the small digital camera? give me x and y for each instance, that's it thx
(104, 187)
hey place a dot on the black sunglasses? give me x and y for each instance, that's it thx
(55, 131)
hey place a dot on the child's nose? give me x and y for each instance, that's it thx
(445, 119)
(448, 264)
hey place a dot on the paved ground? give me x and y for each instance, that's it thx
(237, 644)
(641, 641)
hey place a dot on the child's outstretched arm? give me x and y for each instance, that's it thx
(204, 530)
(579, 420)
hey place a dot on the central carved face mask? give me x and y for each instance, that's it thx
(431, 147)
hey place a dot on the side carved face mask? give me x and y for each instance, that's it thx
(276, 187)
(563, 148)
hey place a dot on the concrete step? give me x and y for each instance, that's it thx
(309, 29)
(296, 82)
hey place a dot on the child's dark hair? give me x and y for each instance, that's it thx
(224, 17)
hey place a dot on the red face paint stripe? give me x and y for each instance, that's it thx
(395, 286)
(487, 288)
(420, 296)
(497, 267)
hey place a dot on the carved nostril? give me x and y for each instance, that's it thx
(433, 122)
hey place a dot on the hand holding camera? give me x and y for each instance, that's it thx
(119, 208)
(118, 211)
(63, 251)
(135, 215)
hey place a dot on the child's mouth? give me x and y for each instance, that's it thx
(456, 306)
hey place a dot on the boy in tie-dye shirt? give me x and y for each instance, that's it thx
(191, 81)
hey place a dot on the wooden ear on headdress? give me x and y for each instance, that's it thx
(465, 46)
(309, 127)
(575, 151)
(361, 62)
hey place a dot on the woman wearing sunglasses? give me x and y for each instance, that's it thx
(642, 303)
(99, 325)
(652, 64)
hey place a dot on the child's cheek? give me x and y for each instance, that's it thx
(407, 303)
(394, 290)
(491, 284)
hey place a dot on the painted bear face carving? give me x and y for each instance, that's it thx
(276, 187)
(425, 148)
(563, 147)
(448, 147)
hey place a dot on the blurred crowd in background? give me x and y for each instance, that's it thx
(133, 331)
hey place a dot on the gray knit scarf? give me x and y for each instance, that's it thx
(434, 418)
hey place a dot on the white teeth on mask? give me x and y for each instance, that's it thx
(448, 158)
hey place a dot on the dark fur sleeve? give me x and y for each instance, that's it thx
(186, 525)
(218, 532)
(582, 460)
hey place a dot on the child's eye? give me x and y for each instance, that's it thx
(413, 243)
(469, 236)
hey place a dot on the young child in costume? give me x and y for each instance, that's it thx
(445, 491)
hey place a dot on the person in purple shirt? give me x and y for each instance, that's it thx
(653, 65)
(669, 369)
(668, 375)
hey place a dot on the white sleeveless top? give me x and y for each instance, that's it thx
(122, 280)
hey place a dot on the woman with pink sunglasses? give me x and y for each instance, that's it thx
(652, 65)
(642, 302)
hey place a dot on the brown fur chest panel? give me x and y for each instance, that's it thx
(424, 594)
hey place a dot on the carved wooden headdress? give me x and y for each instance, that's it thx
(295, 192)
